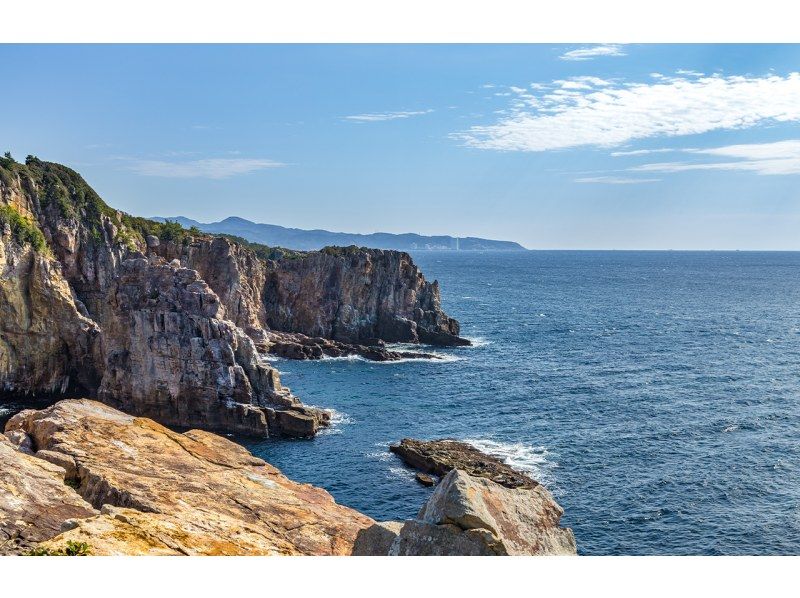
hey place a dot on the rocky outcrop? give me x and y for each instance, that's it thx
(157, 491)
(309, 305)
(293, 345)
(46, 344)
(439, 457)
(356, 295)
(171, 355)
(474, 516)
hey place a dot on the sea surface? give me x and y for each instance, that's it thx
(656, 394)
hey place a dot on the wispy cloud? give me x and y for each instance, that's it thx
(381, 116)
(590, 52)
(211, 168)
(612, 180)
(559, 115)
(644, 152)
(781, 157)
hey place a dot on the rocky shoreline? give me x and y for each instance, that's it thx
(81, 473)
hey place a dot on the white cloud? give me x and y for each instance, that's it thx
(591, 52)
(211, 168)
(559, 116)
(612, 180)
(381, 116)
(781, 157)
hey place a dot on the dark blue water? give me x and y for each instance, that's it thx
(656, 394)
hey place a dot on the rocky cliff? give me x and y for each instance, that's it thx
(169, 323)
(357, 296)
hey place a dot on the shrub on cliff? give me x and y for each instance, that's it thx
(23, 229)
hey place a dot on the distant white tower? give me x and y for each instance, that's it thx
(456, 243)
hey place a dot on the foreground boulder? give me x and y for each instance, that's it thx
(474, 516)
(158, 491)
(439, 457)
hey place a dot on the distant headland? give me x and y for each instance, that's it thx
(312, 240)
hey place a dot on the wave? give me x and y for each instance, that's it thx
(532, 460)
(442, 358)
(477, 341)
(338, 419)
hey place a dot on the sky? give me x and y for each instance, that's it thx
(593, 146)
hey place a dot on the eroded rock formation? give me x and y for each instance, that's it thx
(356, 296)
(135, 487)
(474, 516)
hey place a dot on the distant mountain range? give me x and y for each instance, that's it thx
(308, 240)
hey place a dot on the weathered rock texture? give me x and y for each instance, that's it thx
(158, 492)
(474, 516)
(439, 457)
(169, 324)
(356, 296)
(34, 501)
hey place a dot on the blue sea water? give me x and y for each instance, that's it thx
(656, 394)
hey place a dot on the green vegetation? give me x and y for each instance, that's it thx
(23, 229)
(265, 252)
(64, 194)
(71, 549)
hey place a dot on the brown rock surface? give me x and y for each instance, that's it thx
(439, 457)
(34, 501)
(167, 493)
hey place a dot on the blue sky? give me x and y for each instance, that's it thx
(569, 146)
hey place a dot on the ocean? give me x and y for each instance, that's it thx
(655, 394)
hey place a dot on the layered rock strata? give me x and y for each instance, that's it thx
(127, 485)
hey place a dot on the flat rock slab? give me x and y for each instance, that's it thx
(440, 457)
(161, 492)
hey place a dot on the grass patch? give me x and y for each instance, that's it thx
(72, 548)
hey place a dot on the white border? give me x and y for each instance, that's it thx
(381, 21)
(406, 577)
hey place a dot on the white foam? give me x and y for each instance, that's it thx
(441, 358)
(477, 341)
(532, 460)
(338, 419)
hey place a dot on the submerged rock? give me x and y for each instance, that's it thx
(293, 345)
(439, 457)
(474, 516)
(158, 491)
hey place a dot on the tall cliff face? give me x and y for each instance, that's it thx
(357, 296)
